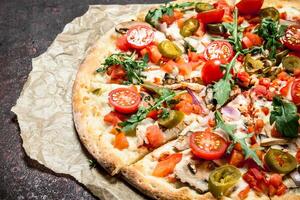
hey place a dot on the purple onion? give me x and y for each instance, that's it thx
(195, 100)
(231, 112)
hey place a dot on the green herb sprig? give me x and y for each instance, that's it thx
(228, 128)
(271, 31)
(285, 116)
(153, 16)
(222, 88)
(132, 66)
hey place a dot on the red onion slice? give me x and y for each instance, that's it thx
(195, 100)
(231, 113)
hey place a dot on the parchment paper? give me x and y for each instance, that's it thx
(44, 108)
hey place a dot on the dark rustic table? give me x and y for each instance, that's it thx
(27, 28)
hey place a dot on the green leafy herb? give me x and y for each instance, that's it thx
(236, 32)
(285, 116)
(166, 96)
(271, 31)
(229, 129)
(132, 66)
(222, 88)
(153, 16)
(92, 163)
(188, 47)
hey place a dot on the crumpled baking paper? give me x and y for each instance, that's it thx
(44, 107)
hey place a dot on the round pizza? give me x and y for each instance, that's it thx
(197, 100)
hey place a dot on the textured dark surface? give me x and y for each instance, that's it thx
(27, 28)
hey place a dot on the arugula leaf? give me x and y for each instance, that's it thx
(132, 66)
(271, 31)
(285, 116)
(166, 96)
(222, 88)
(228, 128)
(92, 163)
(153, 16)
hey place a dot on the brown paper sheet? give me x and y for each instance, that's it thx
(44, 108)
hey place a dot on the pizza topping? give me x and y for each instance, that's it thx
(140, 36)
(211, 16)
(280, 161)
(222, 179)
(269, 13)
(216, 29)
(291, 63)
(211, 71)
(249, 7)
(201, 7)
(207, 145)
(124, 100)
(123, 27)
(155, 136)
(219, 50)
(292, 37)
(189, 27)
(169, 49)
(172, 119)
(285, 116)
(113, 118)
(121, 141)
(167, 165)
(296, 92)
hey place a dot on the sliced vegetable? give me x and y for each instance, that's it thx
(124, 100)
(169, 49)
(122, 43)
(249, 7)
(285, 116)
(211, 71)
(280, 161)
(292, 37)
(291, 63)
(269, 13)
(211, 16)
(216, 29)
(279, 56)
(219, 50)
(172, 120)
(201, 7)
(167, 165)
(222, 179)
(207, 145)
(121, 141)
(140, 36)
(154, 136)
(250, 39)
(113, 118)
(189, 27)
(295, 92)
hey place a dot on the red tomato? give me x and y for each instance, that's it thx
(211, 71)
(260, 90)
(167, 165)
(201, 30)
(207, 145)
(298, 155)
(296, 92)
(220, 50)
(154, 53)
(154, 114)
(140, 36)
(154, 136)
(222, 4)
(275, 180)
(121, 141)
(249, 7)
(116, 72)
(169, 19)
(243, 79)
(251, 39)
(292, 37)
(124, 100)
(113, 118)
(265, 82)
(211, 16)
(122, 43)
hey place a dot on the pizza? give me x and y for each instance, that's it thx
(197, 100)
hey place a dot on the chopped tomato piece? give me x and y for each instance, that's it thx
(121, 141)
(116, 72)
(275, 133)
(249, 7)
(222, 4)
(236, 158)
(154, 53)
(283, 76)
(259, 125)
(166, 166)
(243, 79)
(122, 43)
(281, 190)
(194, 57)
(265, 110)
(169, 66)
(260, 90)
(201, 30)
(298, 156)
(187, 106)
(295, 92)
(243, 194)
(140, 36)
(211, 71)
(211, 16)
(283, 15)
(250, 39)
(185, 69)
(113, 118)
(265, 82)
(154, 114)
(154, 136)
(169, 19)
(275, 180)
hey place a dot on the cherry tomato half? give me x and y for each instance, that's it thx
(211, 16)
(249, 7)
(211, 71)
(296, 92)
(140, 36)
(220, 50)
(292, 37)
(207, 145)
(124, 100)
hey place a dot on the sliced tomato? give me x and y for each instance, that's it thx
(140, 36)
(275, 180)
(211, 71)
(169, 66)
(207, 145)
(124, 100)
(122, 43)
(116, 72)
(167, 165)
(154, 136)
(249, 7)
(243, 79)
(295, 91)
(211, 16)
(113, 118)
(170, 19)
(265, 82)
(236, 158)
(292, 37)
(251, 39)
(154, 53)
(154, 114)
(222, 4)
(121, 141)
(219, 50)
(260, 90)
